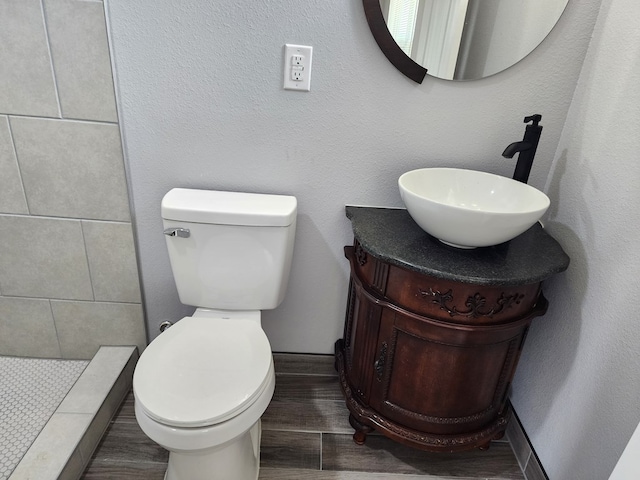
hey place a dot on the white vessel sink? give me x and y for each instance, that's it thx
(469, 209)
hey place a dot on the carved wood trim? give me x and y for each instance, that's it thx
(361, 255)
(442, 420)
(380, 362)
(380, 276)
(475, 303)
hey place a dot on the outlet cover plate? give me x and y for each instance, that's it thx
(297, 56)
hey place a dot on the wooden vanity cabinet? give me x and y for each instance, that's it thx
(428, 362)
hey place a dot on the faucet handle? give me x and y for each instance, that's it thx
(533, 118)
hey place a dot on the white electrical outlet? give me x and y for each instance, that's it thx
(297, 67)
(297, 74)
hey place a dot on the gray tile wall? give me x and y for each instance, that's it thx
(68, 273)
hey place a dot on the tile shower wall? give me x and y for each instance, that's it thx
(68, 273)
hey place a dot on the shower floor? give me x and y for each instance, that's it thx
(30, 391)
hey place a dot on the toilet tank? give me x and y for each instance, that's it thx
(229, 250)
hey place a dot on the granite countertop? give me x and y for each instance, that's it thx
(391, 235)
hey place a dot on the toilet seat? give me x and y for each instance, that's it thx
(203, 371)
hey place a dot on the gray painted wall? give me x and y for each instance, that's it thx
(202, 105)
(578, 384)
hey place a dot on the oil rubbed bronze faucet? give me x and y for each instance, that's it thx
(526, 148)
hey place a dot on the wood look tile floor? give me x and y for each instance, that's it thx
(306, 435)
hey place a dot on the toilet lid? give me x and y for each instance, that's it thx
(203, 371)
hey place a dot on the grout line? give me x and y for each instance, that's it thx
(524, 467)
(72, 413)
(86, 120)
(46, 358)
(18, 297)
(64, 119)
(533, 457)
(509, 435)
(86, 256)
(55, 327)
(321, 439)
(288, 374)
(117, 462)
(15, 153)
(289, 430)
(305, 355)
(53, 71)
(55, 217)
(93, 301)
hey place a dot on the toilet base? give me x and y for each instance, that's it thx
(226, 451)
(238, 459)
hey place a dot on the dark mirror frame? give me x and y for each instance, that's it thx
(388, 45)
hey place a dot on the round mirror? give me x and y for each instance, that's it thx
(460, 39)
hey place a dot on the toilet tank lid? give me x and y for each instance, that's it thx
(229, 208)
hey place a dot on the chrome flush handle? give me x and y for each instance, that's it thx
(177, 232)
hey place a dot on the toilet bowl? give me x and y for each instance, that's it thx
(201, 386)
(200, 390)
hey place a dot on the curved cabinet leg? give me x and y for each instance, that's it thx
(498, 435)
(359, 438)
(361, 431)
(484, 446)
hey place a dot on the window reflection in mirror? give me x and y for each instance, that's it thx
(469, 39)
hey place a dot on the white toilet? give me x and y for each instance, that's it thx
(202, 385)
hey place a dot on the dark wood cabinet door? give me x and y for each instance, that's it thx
(443, 379)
